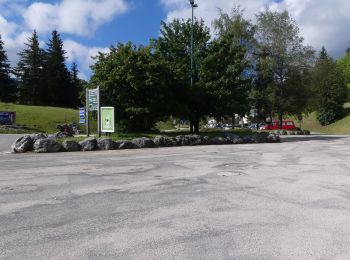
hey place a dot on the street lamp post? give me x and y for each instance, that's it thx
(193, 5)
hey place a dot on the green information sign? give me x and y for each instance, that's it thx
(107, 119)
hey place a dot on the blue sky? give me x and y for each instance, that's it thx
(89, 26)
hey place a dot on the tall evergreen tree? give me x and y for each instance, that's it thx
(329, 89)
(58, 78)
(7, 86)
(29, 72)
(75, 86)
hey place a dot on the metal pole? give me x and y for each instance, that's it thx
(87, 113)
(98, 113)
(192, 47)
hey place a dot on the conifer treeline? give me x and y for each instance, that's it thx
(41, 75)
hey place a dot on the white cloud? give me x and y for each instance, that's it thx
(321, 22)
(82, 55)
(79, 17)
(13, 38)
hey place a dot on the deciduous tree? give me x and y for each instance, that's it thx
(285, 60)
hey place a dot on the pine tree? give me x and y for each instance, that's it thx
(330, 89)
(74, 86)
(29, 72)
(57, 74)
(7, 87)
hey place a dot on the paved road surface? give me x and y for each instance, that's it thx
(6, 141)
(266, 201)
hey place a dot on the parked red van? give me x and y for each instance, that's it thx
(286, 125)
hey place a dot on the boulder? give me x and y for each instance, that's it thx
(47, 145)
(290, 132)
(88, 144)
(299, 132)
(105, 144)
(125, 144)
(164, 141)
(218, 141)
(306, 132)
(22, 144)
(233, 139)
(206, 140)
(143, 142)
(273, 138)
(61, 135)
(37, 136)
(188, 140)
(71, 146)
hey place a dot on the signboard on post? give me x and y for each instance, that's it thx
(93, 99)
(82, 115)
(93, 104)
(7, 118)
(107, 119)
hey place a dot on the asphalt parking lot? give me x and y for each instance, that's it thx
(255, 201)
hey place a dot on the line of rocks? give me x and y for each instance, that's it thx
(292, 132)
(41, 143)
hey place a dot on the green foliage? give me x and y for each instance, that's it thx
(56, 73)
(136, 82)
(283, 64)
(173, 46)
(77, 87)
(343, 65)
(222, 77)
(7, 86)
(30, 73)
(43, 77)
(330, 92)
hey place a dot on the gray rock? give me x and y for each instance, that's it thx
(206, 140)
(218, 141)
(233, 139)
(273, 138)
(125, 144)
(62, 135)
(306, 132)
(71, 146)
(299, 133)
(143, 142)
(105, 144)
(290, 132)
(47, 146)
(249, 139)
(37, 136)
(22, 144)
(164, 141)
(88, 144)
(188, 139)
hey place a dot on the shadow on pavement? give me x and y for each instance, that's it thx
(312, 138)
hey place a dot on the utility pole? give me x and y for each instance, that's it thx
(193, 5)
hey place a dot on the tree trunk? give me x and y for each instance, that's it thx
(191, 126)
(196, 126)
(280, 119)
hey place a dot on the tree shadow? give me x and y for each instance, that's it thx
(319, 137)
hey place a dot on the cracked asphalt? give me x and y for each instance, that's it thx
(255, 201)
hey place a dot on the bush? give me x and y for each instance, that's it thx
(328, 116)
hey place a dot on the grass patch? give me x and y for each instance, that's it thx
(40, 118)
(342, 126)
